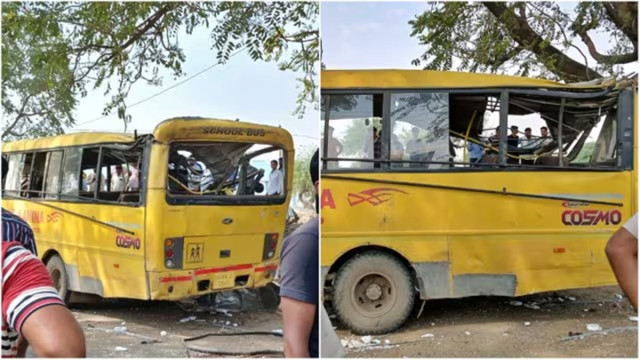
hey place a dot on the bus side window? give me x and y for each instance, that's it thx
(70, 171)
(354, 131)
(52, 178)
(88, 167)
(12, 185)
(36, 183)
(120, 175)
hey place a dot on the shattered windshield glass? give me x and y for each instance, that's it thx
(226, 169)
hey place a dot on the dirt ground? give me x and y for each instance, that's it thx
(493, 327)
(140, 329)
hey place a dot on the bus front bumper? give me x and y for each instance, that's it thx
(175, 285)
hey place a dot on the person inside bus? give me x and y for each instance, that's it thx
(33, 314)
(276, 180)
(14, 228)
(117, 179)
(476, 152)
(334, 149)
(299, 283)
(544, 135)
(622, 252)
(415, 146)
(199, 177)
(397, 151)
(528, 143)
(513, 140)
(134, 178)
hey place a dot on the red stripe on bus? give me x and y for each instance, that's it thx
(176, 278)
(216, 270)
(223, 269)
(267, 268)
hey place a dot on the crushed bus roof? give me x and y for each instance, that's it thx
(166, 131)
(415, 79)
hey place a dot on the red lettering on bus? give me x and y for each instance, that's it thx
(591, 217)
(327, 199)
(125, 241)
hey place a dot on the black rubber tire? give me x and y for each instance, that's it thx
(401, 293)
(58, 273)
(269, 296)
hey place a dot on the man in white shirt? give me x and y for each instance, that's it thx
(622, 251)
(134, 181)
(117, 179)
(275, 180)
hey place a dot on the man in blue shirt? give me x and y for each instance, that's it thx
(13, 227)
(299, 285)
(476, 151)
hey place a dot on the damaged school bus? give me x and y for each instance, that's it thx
(181, 212)
(445, 185)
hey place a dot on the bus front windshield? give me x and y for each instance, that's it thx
(226, 169)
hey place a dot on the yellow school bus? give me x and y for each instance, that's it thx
(446, 185)
(184, 211)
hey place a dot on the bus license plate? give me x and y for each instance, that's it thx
(223, 280)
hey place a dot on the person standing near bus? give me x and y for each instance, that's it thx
(33, 314)
(13, 227)
(622, 252)
(299, 284)
(275, 180)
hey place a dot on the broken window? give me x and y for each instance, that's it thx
(226, 170)
(89, 176)
(573, 132)
(355, 130)
(36, 183)
(119, 175)
(420, 123)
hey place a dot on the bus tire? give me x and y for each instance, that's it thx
(58, 273)
(373, 293)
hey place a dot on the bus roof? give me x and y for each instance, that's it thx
(194, 128)
(166, 131)
(83, 138)
(416, 79)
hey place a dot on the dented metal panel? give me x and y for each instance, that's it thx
(484, 284)
(433, 279)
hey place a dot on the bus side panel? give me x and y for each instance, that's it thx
(98, 259)
(498, 244)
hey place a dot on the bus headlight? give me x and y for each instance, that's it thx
(169, 263)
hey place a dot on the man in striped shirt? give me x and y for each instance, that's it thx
(32, 311)
(13, 227)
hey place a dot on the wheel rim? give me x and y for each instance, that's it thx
(373, 295)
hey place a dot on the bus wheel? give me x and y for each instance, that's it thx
(58, 274)
(373, 293)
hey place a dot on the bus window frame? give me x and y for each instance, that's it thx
(223, 200)
(78, 200)
(625, 164)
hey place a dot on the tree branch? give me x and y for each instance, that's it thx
(19, 116)
(607, 59)
(617, 12)
(519, 29)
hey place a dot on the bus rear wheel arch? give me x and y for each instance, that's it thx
(373, 293)
(58, 272)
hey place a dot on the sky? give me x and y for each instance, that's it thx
(241, 89)
(370, 35)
